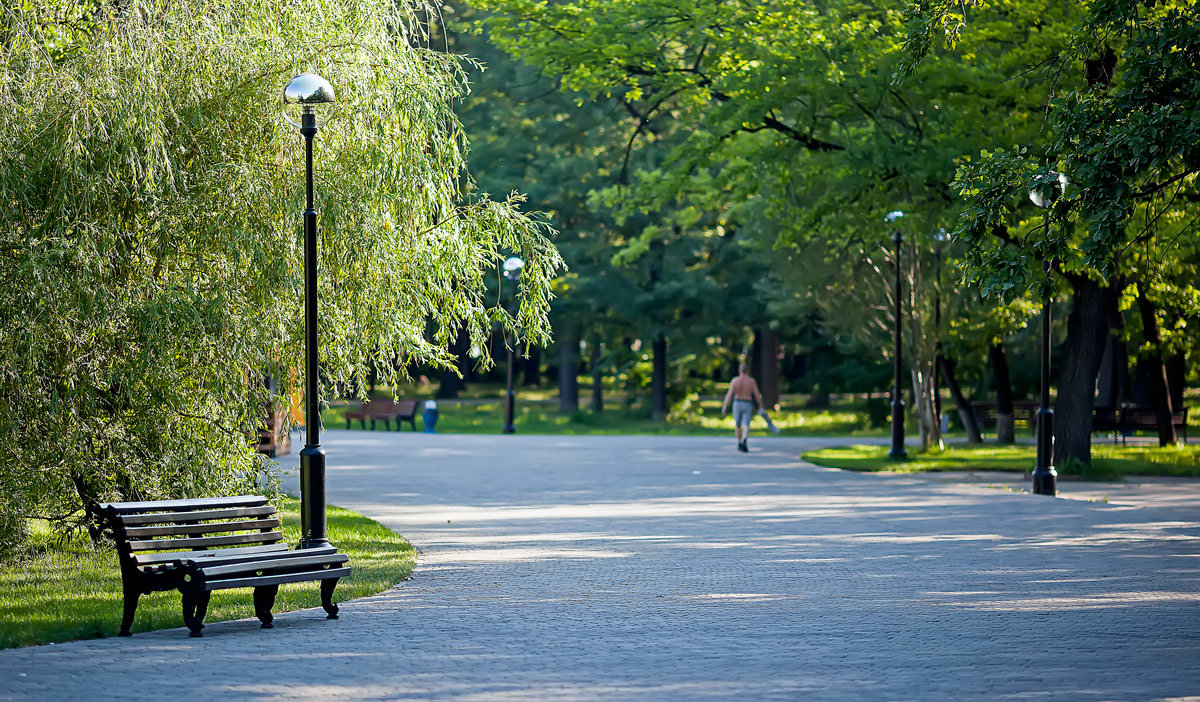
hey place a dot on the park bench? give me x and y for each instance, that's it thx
(986, 415)
(1123, 422)
(376, 410)
(201, 545)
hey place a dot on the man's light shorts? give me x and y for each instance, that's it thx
(743, 411)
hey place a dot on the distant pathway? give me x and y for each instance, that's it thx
(676, 568)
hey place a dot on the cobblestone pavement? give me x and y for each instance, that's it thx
(676, 568)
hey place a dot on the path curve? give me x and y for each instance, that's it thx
(676, 568)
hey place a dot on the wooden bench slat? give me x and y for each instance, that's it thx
(263, 580)
(308, 563)
(142, 559)
(182, 505)
(237, 556)
(204, 542)
(194, 516)
(208, 528)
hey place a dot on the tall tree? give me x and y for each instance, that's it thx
(152, 245)
(1123, 126)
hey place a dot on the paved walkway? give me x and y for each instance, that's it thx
(676, 568)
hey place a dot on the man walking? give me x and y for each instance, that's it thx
(743, 390)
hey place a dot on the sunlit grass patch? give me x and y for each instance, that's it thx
(1108, 461)
(69, 590)
(539, 416)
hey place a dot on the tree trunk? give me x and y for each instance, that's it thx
(924, 407)
(597, 378)
(964, 409)
(767, 344)
(568, 377)
(1002, 384)
(1176, 379)
(1156, 373)
(658, 380)
(1087, 328)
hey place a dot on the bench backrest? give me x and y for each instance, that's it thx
(384, 407)
(145, 530)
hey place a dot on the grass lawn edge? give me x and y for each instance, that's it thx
(71, 591)
(1109, 462)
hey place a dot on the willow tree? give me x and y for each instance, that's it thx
(150, 200)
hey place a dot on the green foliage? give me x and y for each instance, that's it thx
(151, 235)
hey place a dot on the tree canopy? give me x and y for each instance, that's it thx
(151, 233)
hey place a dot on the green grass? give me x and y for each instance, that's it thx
(1109, 462)
(540, 416)
(64, 591)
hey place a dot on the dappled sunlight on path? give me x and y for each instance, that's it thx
(677, 568)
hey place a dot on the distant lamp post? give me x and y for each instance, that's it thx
(309, 93)
(512, 271)
(940, 238)
(897, 453)
(1045, 477)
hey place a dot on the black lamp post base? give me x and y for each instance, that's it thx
(509, 408)
(1045, 481)
(312, 498)
(898, 453)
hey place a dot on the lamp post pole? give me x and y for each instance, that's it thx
(1045, 477)
(510, 398)
(940, 238)
(898, 453)
(308, 90)
(512, 271)
(312, 456)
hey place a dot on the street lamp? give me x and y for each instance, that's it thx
(1045, 478)
(897, 453)
(308, 91)
(512, 271)
(940, 237)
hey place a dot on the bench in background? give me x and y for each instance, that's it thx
(382, 410)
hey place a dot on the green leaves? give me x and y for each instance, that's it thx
(152, 236)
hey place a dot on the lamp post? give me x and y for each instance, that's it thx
(939, 240)
(897, 453)
(309, 90)
(1045, 477)
(512, 271)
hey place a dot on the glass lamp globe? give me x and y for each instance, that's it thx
(307, 93)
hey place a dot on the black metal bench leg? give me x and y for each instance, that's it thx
(190, 601)
(131, 603)
(327, 587)
(202, 598)
(264, 600)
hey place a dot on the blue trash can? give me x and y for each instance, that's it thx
(429, 416)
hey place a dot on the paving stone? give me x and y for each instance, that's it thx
(607, 568)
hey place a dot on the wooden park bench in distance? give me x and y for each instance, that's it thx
(404, 410)
(197, 546)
